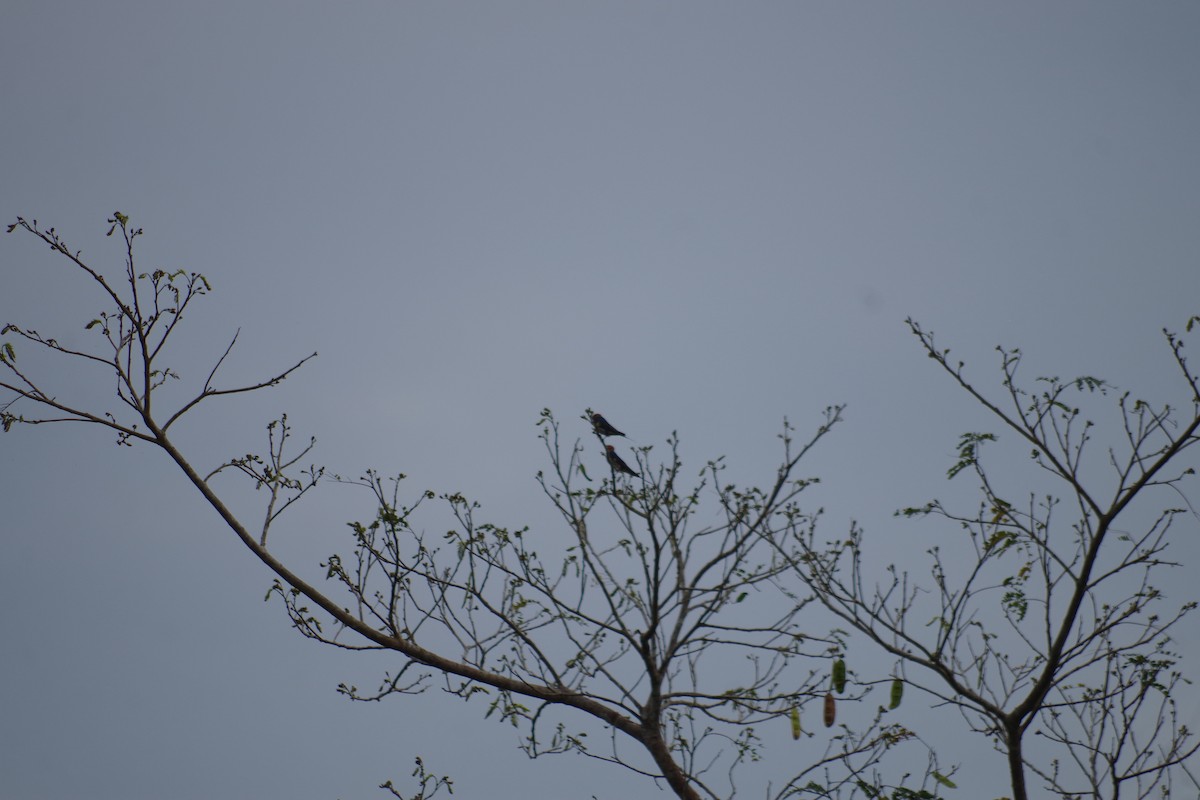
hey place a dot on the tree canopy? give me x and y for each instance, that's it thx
(684, 614)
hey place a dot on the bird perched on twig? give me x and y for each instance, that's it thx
(603, 427)
(617, 463)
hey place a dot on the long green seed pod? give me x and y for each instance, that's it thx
(830, 709)
(897, 692)
(795, 722)
(839, 676)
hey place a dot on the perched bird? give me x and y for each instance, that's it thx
(616, 463)
(603, 427)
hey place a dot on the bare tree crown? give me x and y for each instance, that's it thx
(685, 613)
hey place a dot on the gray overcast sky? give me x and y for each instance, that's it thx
(694, 216)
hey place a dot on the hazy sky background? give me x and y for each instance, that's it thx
(694, 216)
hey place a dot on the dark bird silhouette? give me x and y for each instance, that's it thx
(603, 427)
(617, 463)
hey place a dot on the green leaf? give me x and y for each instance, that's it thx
(867, 789)
(968, 451)
(944, 781)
